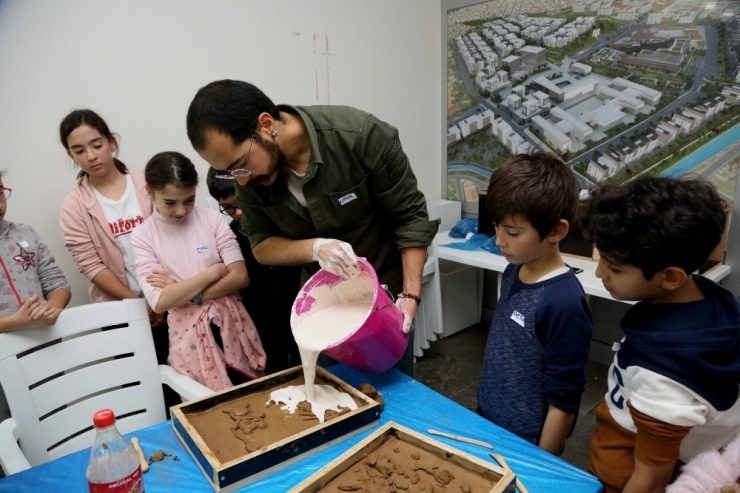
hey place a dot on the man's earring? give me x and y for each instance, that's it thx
(274, 134)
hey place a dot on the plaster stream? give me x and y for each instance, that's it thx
(347, 306)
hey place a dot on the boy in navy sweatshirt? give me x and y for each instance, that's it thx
(673, 386)
(533, 370)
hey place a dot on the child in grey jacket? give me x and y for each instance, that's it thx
(34, 289)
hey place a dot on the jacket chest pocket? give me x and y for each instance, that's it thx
(352, 207)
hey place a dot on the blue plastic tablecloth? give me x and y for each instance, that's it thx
(407, 402)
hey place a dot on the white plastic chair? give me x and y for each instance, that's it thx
(56, 377)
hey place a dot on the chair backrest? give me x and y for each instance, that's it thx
(96, 356)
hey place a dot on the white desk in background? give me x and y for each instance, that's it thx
(484, 259)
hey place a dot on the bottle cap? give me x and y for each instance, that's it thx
(104, 418)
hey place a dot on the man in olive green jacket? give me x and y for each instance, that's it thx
(317, 185)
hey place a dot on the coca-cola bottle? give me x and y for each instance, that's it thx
(114, 464)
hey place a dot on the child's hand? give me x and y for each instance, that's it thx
(159, 279)
(51, 315)
(44, 311)
(30, 308)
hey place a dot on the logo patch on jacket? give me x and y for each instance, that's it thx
(518, 318)
(347, 198)
(200, 249)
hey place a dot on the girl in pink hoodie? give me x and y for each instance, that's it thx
(189, 264)
(107, 203)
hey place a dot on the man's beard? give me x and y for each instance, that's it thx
(276, 174)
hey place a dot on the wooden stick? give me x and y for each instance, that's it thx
(500, 459)
(142, 460)
(460, 439)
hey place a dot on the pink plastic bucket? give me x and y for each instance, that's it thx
(379, 342)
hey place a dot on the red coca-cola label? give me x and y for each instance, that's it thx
(133, 483)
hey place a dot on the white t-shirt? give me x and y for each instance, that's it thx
(123, 216)
(553, 273)
(295, 186)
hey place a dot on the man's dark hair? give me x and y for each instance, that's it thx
(219, 188)
(538, 187)
(227, 106)
(655, 222)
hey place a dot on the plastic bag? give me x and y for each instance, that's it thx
(463, 227)
(473, 243)
(468, 228)
(491, 246)
(476, 242)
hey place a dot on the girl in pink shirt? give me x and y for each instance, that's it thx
(189, 264)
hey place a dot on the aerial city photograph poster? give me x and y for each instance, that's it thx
(618, 89)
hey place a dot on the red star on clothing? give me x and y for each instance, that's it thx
(26, 259)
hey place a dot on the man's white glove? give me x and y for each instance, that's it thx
(408, 309)
(336, 257)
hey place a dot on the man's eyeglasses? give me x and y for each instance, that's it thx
(229, 209)
(241, 172)
(5, 193)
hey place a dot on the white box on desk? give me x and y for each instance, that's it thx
(460, 296)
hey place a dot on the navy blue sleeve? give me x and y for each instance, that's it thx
(564, 325)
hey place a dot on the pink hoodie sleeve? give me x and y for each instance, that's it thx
(228, 247)
(77, 239)
(145, 260)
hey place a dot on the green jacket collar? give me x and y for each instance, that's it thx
(315, 159)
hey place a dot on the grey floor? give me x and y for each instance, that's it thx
(452, 367)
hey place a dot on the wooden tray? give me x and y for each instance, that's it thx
(236, 473)
(358, 457)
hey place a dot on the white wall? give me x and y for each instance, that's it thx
(138, 63)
